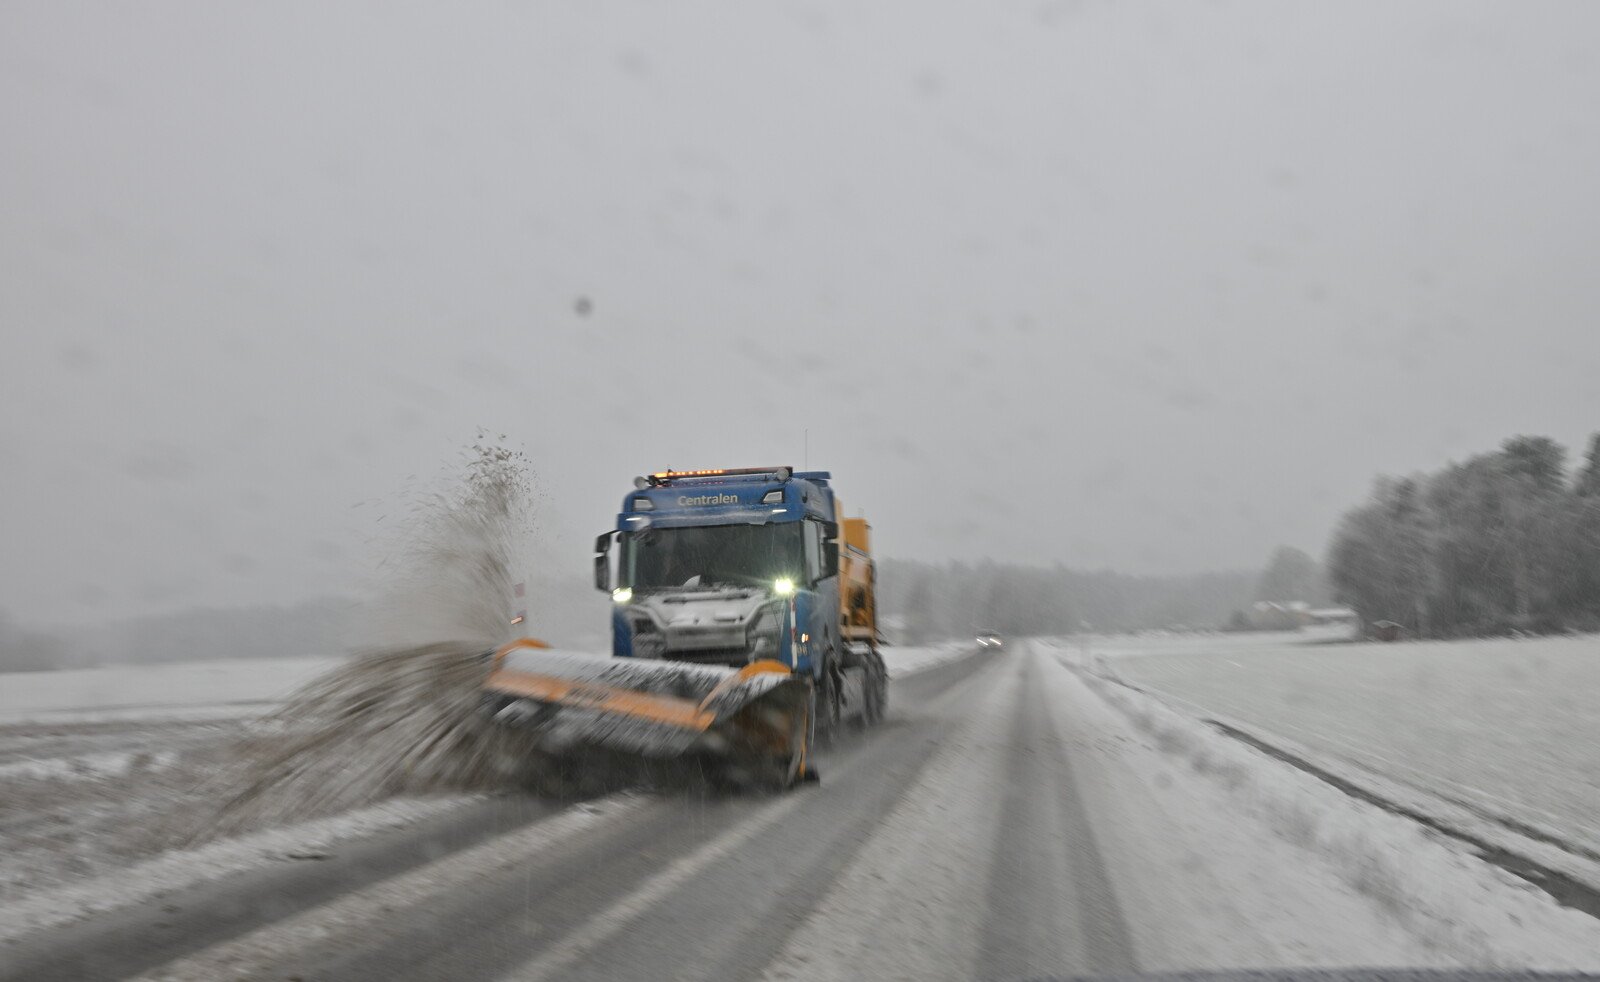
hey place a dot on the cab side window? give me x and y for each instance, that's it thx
(813, 537)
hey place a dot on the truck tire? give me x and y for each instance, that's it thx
(882, 704)
(874, 689)
(877, 696)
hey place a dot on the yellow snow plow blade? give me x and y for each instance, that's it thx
(756, 714)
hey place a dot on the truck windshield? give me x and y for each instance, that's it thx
(724, 555)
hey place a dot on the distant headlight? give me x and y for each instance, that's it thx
(622, 594)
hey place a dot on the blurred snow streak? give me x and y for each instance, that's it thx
(401, 717)
(455, 579)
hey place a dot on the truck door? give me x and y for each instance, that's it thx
(822, 587)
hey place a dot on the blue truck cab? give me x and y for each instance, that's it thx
(728, 567)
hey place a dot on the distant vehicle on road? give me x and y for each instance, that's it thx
(990, 639)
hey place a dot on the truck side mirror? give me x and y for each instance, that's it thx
(830, 559)
(602, 562)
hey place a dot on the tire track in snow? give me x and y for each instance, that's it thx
(917, 874)
(357, 914)
(1050, 904)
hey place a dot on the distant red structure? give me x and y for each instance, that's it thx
(1387, 631)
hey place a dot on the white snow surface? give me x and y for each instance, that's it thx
(1220, 855)
(242, 687)
(85, 767)
(908, 659)
(1506, 727)
(173, 690)
(1457, 908)
(175, 870)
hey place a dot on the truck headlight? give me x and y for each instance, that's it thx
(784, 587)
(622, 594)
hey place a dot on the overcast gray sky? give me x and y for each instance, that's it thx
(1154, 287)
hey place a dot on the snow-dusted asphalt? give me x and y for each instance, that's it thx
(1010, 820)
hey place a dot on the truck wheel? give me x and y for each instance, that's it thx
(877, 696)
(872, 696)
(877, 690)
(883, 686)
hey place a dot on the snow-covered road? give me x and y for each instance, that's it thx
(1013, 818)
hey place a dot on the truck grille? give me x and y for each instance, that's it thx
(710, 656)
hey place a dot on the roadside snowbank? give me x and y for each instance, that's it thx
(1433, 888)
(86, 767)
(1505, 727)
(909, 659)
(178, 869)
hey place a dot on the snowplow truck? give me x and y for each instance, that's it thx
(744, 629)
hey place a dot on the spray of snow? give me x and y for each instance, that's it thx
(453, 578)
(401, 717)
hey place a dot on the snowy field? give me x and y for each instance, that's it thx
(1293, 835)
(241, 687)
(1510, 728)
(175, 690)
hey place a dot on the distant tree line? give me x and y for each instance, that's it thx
(566, 612)
(931, 602)
(316, 627)
(1503, 541)
(1293, 576)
